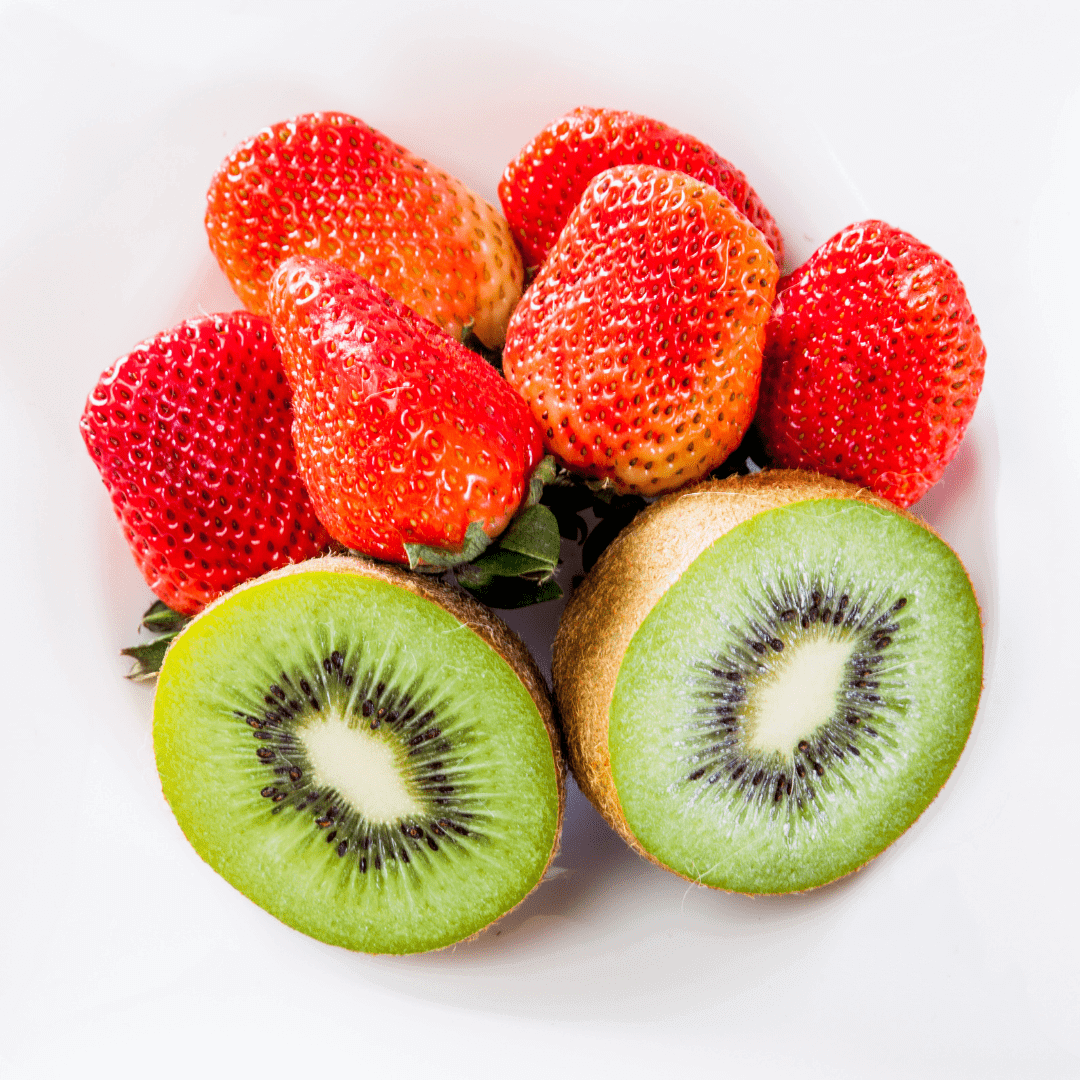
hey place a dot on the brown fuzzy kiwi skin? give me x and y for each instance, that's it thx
(482, 622)
(630, 577)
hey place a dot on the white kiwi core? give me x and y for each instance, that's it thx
(362, 766)
(798, 695)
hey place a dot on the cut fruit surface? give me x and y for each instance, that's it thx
(788, 699)
(367, 757)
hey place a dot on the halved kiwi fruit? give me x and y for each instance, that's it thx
(368, 755)
(765, 680)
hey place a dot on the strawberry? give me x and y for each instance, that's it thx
(638, 346)
(190, 432)
(547, 179)
(328, 185)
(402, 435)
(873, 363)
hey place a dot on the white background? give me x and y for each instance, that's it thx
(954, 954)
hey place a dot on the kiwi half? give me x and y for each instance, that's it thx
(368, 755)
(765, 680)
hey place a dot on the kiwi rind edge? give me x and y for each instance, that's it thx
(606, 610)
(477, 618)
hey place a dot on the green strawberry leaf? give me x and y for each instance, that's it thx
(495, 564)
(566, 498)
(434, 559)
(603, 489)
(543, 475)
(507, 593)
(147, 657)
(474, 344)
(160, 618)
(517, 569)
(534, 532)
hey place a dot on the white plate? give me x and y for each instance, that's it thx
(953, 954)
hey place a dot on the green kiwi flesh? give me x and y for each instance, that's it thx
(795, 700)
(357, 759)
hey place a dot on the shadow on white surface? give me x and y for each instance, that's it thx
(614, 938)
(962, 508)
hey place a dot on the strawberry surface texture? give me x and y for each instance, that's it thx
(190, 432)
(638, 346)
(544, 183)
(402, 435)
(873, 364)
(331, 186)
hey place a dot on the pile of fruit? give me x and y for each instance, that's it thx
(766, 676)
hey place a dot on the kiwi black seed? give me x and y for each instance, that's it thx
(368, 755)
(766, 679)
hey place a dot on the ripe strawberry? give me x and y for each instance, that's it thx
(402, 435)
(638, 346)
(328, 185)
(873, 363)
(547, 179)
(190, 432)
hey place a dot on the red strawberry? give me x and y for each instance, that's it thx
(402, 435)
(873, 363)
(329, 185)
(547, 179)
(638, 346)
(190, 432)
